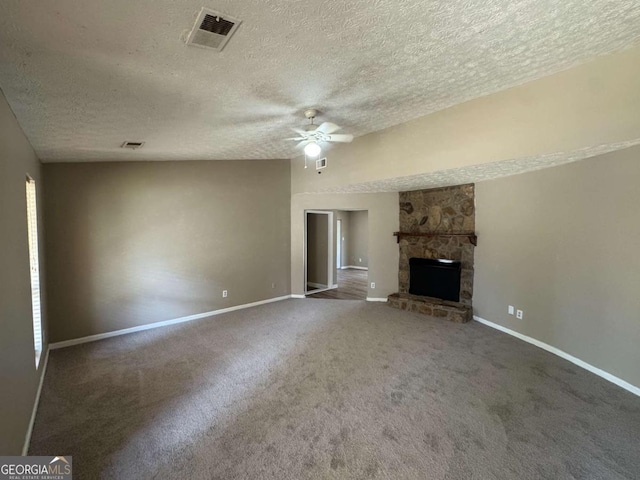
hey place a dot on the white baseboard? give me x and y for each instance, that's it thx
(320, 285)
(373, 299)
(27, 439)
(319, 290)
(101, 336)
(298, 296)
(354, 267)
(556, 351)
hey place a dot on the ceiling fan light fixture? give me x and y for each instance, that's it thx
(311, 136)
(312, 149)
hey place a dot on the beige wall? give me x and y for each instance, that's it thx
(18, 376)
(562, 245)
(348, 242)
(318, 249)
(383, 220)
(135, 243)
(593, 104)
(358, 239)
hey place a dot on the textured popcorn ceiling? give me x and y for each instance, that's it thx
(82, 77)
(478, 173)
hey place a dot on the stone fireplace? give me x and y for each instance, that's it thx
(437, 230)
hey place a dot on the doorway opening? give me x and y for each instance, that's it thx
(347, 260)
(318, 265)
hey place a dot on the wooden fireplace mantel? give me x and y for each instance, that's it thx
(473, 238)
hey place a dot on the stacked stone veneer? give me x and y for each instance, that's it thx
(439, 210)
(452, 311)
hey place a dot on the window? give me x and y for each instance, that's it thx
(34, 265)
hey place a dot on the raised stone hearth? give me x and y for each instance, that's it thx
(452, 311)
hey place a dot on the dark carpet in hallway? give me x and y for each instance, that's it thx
(307, 389)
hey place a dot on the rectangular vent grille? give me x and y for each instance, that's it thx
(216, 25)
(132, 145)
(321, 163)
(212, 30)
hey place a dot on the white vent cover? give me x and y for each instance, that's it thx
(321, 163)
(212, 30)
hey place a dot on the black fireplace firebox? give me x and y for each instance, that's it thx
(436, 278)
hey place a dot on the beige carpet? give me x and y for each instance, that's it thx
(339, 389)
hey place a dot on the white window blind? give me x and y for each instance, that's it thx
(34, 265)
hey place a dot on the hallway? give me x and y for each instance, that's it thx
(352, 285)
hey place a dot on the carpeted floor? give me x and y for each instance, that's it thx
(331, 389)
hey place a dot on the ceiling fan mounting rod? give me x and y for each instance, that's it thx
(310, 113)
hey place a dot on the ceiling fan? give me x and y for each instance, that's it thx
(312, 136)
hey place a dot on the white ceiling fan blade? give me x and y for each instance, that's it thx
(340, 137)
(303, 144)
(328, 128)
(300, 132)
(297, 139)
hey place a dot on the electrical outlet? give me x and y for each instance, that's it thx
(360, 260)
(511, 309)
(224, 294)
(519, 314)
(373, 284)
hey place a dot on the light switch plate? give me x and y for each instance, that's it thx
(511, 310)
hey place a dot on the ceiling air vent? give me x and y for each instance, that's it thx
(132, 145)
(212, 30)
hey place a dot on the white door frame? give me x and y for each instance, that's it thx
(339, 243)
(330, 263)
